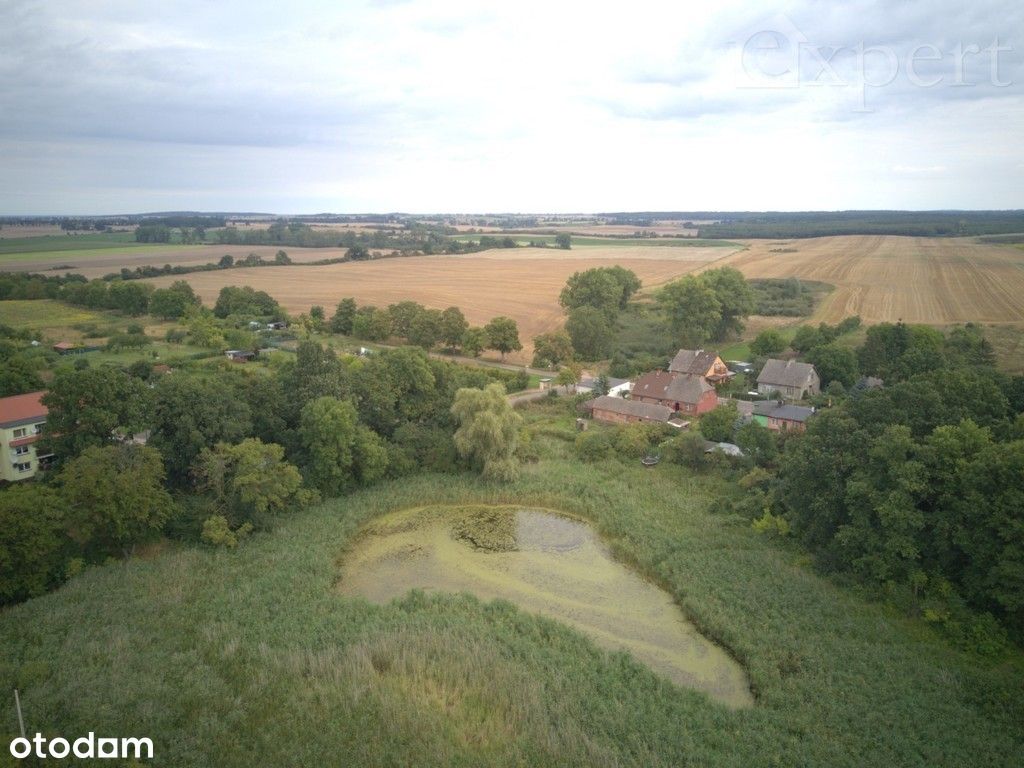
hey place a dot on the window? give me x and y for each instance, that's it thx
(25, 467)
(21, 450)
(38, 429)
(19, 433)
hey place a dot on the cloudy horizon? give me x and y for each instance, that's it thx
(424, 107)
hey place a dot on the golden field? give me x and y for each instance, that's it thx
(522, 283)
(936, 281)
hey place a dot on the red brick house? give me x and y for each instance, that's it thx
(682, 392)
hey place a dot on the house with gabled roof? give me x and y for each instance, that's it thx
(788, 379)
(682, 392)
(700, 362)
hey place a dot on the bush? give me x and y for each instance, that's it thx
(218, 532)
(595, 444)
(686, 449)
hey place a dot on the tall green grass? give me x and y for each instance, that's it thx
(252, 658)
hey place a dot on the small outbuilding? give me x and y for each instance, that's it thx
(782, 417)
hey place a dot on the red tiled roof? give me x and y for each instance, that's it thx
(22, 408)
(64, 345)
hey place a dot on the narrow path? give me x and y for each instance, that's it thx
(491, 364)
(535, 394)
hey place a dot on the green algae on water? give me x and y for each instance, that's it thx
(548, 564)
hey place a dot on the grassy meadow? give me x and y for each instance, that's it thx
(39, 243)
(52, 321)
(252, 657)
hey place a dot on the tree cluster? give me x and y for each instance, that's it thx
(710, 306)
(917, 487)
(593, 300)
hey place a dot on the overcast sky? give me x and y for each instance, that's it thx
(304, 107)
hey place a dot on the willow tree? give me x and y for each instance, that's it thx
(488, 431)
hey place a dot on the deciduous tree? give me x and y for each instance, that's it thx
(503, 335)
(488, 431)
(115, 496)
(32, 541)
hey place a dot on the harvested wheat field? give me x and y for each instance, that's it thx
(935, 281)
(522, 283)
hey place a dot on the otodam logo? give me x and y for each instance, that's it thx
(85, 748)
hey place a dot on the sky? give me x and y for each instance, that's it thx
(435, 106)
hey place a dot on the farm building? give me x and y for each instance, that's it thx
(699, 362)
(65, 347)
(619, 410)
(21, 422)
(240, 355)
(615, 386)
(683, 392)
(790, 379)
(782, 417)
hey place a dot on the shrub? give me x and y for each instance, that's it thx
(595, 444)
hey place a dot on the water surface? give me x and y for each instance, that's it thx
(544, 563)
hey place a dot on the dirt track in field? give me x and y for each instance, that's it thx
(522, 283)
(885, 278)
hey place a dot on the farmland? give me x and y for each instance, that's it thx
(521, 283)
(934, 281)
(94, 260)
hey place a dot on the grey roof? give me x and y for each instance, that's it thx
(664, 385)
(590, 382)
(773, 410)
(730, 449)
(869, 382)
(786, 373)
(626, 407)
(695, 361)
(687, 388)
(745, 407)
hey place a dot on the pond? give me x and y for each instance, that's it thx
(548, 564)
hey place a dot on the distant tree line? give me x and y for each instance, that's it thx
(819, 224)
